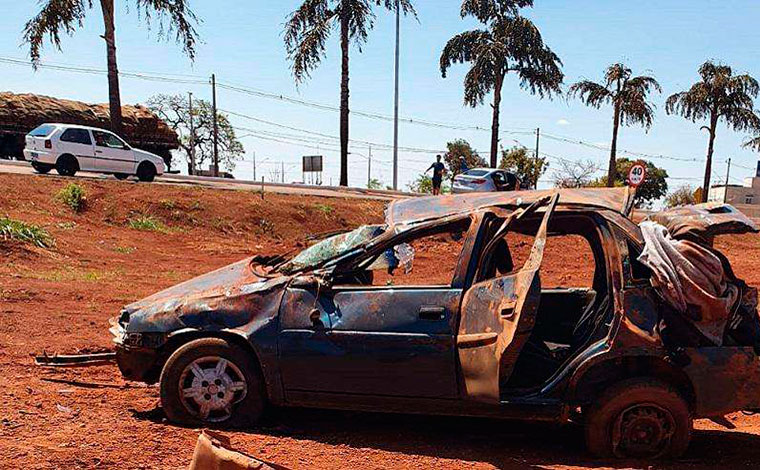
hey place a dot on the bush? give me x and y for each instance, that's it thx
(73, 196)
(682, 196)
(28, 233)
(147, 223)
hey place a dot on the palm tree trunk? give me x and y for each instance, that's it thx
(708, 164)
(114, 98)
(495, 123)
(344, 26)
(612, 169)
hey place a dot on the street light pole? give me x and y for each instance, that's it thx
(395, 105)
(192, 134)
(216, 128)
(369, 167)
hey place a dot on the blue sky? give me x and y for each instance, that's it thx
(242, 44)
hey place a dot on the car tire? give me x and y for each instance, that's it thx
(121, 176)
(191, 379)
(42, 168)
(67, 165)
(146, 172)
(639, 418)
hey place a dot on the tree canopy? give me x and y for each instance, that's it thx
(174, 110)
(461, 148)
(655, 184)
(524, 164)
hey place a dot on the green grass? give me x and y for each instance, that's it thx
(73, 196)
(124, 250)
(66, 225)
(324, 208)
(167, 204)
(147, 223)
(27, 233)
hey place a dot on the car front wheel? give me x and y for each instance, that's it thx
(211, 381)
(641, 418)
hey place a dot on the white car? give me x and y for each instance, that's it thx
(485, 180)
(69, 148)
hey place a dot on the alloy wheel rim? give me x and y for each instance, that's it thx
(210, 386)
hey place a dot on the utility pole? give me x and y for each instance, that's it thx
(725, 188)
(369, 167)
(395, 105)
(192, 134)
(216, 128)
(254, 165)
(538, 135)
(282, 165)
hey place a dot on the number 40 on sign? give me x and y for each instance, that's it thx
(637, 174)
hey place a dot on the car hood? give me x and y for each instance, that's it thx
(704, 221)
(147, 155)
(230, 297)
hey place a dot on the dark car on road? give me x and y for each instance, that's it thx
(353, 322)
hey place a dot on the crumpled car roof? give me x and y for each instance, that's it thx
(415, 210)
(704, 220)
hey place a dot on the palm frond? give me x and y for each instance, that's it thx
(464, 47)
(306, 33)
(753, 144)
(591, 93)
(487, 10)
(55, 17)
(181, 20)
(616, 73)
(743, 120)
(405, 6)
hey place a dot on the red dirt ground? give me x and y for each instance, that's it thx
(59, 300)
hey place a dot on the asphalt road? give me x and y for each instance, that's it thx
(24, 168)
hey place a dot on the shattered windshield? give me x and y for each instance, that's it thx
(332, 247)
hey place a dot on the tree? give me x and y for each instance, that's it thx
(461, 148)
(753, 144)
(527, 167)
(574, 174)
(682, 196)
(655, 184)
(306, 32)
(628, 96)
(510, 43)
(66, 16)
(174, 110)
(719, 95)
(423, 184)
(375, 183)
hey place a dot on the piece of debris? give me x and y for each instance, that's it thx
(78, 383)
(66, 410)
(75, 360)
(213, 452)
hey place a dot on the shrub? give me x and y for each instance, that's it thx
(73, 196)
(28, 233)
(147, 223)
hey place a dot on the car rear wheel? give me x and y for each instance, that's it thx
(211, 381)
(42, 167)
(639, 418)
(146, 172)
(121, 176)
(66, 165)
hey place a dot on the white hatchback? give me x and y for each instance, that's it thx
(69, 148)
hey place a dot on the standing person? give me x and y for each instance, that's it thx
(463, 168)
(438, 171)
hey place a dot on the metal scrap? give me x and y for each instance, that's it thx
(75, 360)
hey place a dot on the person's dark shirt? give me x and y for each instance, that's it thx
(437, 170)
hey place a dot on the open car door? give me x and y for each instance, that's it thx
(498, 314)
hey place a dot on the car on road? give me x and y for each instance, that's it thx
(70, 148)
(449, 307)
(485, 180)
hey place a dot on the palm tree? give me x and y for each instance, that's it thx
(753, 144)
(306, 33)
(628, 96)
(510, 43)
(719, 95)
(66, 16)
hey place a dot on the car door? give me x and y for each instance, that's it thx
(113, 155)
(372, 341)
(78, 142)
(498, 315)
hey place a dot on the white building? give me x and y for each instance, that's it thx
(738, 194)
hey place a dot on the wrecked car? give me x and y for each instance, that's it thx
(352, 322)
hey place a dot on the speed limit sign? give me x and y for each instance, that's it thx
(637, 174)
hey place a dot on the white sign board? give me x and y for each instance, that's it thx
(637, 174)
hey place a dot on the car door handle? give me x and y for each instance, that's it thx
(432, 313)
(98, 151)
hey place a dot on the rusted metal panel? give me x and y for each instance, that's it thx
(213, 452)
(704, 221)
(416, 210)
(496, 320)
(725, 379)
